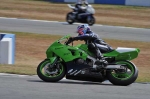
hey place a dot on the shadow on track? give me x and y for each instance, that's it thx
(74, 82)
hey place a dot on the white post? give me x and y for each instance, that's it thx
(7, 48)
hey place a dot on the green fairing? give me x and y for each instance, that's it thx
(65, 52)
(84, 48)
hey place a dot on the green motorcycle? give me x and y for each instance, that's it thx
(78, 63)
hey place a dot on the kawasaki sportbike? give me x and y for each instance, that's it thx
(86, 17)
(76, 62)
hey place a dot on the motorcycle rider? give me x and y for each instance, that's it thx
(79, 8)
(95, 44)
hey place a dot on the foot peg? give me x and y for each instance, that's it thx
(101, 63)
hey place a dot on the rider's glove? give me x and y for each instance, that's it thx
(70, 40)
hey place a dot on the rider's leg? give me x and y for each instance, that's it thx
(104, 48)
(100, 59)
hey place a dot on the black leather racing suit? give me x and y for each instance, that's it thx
(95, 44)
(79, 10)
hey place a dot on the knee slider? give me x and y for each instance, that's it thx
(91, 46)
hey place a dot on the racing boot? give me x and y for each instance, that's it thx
(101, 63)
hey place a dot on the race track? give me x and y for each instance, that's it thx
(31, 87)
(62, 28)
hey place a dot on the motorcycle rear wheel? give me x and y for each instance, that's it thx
(48, 74)
(123, 78)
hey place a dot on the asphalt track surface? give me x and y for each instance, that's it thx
(31, 87)
(62, 28)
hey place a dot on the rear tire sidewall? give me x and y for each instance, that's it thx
(49, 79)
(67, 18)
(124, 82)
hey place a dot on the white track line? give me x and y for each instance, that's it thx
(17, 75)
(7, 74)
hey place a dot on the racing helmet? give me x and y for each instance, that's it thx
(82, 2)
(83, 29)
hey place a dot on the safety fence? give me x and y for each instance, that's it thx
(114, 2)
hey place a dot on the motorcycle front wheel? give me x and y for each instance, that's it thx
(90, 20)
(69, 18)
(125, 77)
(49, 73)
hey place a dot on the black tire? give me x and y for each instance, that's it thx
(47, 77)
(90, 20)
(123, 79)
(69, 19)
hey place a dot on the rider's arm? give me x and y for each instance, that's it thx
(85, 37)
(79, 6)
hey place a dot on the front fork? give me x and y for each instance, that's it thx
(53, 61)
